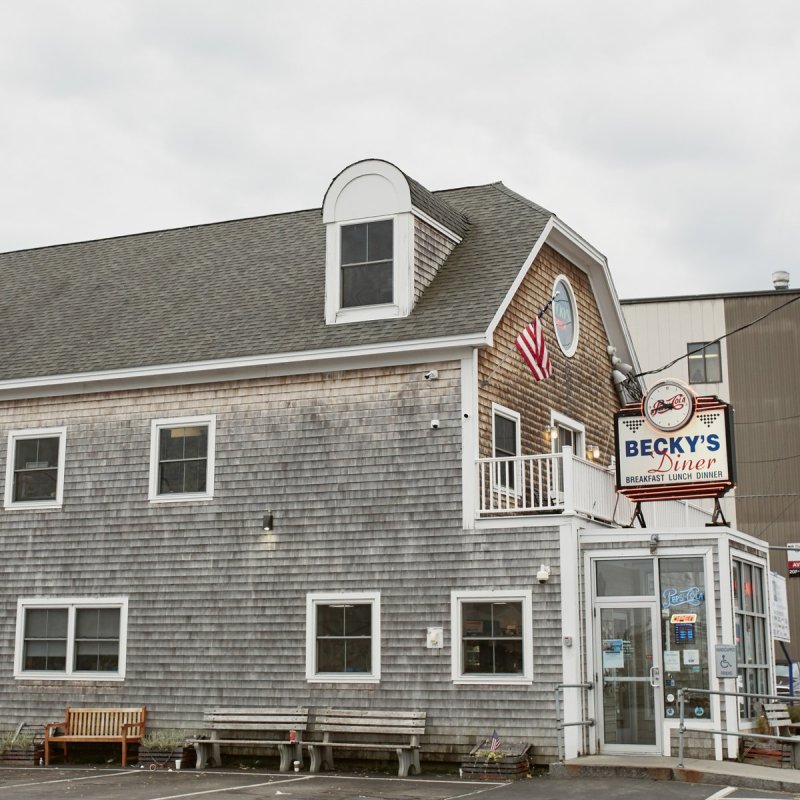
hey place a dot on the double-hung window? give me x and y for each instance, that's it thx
(71, 638)
(705, 363)
(367, 263)
(492, 637)
(753, 650)
(35, 468)
(182, 458)
(343, 637)
(505, 446)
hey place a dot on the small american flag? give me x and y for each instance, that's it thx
(532, 348)
(495, 745)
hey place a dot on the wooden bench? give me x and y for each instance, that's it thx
(82, 725)
(353, 729)
(278, 727)
(781, 747)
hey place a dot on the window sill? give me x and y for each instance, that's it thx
(180, 498)
(49, 677)
(488, 680)
(49, 505)
(334, 678)
(367, 313)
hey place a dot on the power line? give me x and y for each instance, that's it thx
(768, 460)
(762, 421)
(719, 339)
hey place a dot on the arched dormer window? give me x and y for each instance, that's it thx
(369, 223)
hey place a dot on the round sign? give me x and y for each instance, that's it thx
(565, 315)
(668, 406)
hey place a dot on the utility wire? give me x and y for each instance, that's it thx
(762, 421)
(719, 339)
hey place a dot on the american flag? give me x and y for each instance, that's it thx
(532, 348)
(495, 745)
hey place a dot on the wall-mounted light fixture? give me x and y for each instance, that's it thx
(266, 523)
(594, 452)
(543, 575)
(552, 433)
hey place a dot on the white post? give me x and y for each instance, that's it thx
(569, 485)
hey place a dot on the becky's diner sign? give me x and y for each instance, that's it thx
(674, 445)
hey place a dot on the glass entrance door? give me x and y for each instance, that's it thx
(629, 678)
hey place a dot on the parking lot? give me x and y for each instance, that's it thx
(82, 783)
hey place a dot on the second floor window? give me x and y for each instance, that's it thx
(705, 364)
(182, 454)
(367, 263)
(35, 471)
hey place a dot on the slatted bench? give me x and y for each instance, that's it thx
(353, 729)
(277, 727)
(84, 725)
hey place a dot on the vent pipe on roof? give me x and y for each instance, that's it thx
(780, 279)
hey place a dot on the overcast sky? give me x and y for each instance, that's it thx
(667, 134)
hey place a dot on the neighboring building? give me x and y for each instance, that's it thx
(295, 460)
(755, 370)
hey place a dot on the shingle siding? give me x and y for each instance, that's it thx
(365, 496)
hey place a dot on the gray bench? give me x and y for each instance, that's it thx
(254, 727)
(353, 729)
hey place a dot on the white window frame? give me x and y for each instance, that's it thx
(72, 604)
(577, 428)
(314, 599)
(497, 473)
(571, 350)
(35, 433)
(458, 597)
(402, 272)
(158, 425)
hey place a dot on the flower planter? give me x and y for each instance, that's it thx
(510, 762)
(152, 758)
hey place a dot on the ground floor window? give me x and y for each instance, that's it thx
(492, 637)
(750, 621)
(78, 639)
(343, 637)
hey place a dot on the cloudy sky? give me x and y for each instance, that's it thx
(665, 132)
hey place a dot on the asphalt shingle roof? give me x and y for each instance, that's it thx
(242, 288)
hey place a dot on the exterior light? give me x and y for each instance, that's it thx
(266, 523)
(594, 452)
(552, 432)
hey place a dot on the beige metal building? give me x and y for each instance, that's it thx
(755, 368)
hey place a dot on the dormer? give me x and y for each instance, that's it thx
(386, 238)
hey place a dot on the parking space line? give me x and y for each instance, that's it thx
(722, 793)
(232, 788)
(95, 776)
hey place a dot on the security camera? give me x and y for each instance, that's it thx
(543, 575)
(431, 375)
(435, 424)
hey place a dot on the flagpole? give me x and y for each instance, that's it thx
(540, 314)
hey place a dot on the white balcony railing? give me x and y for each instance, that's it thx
(560, 482)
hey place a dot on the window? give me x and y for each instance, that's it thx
(182, 459)
(61, 639)
(492, 637)
(343, 637)
(505, 444)
(366, 252)
(705, 364)
(750, 626)
(565, 316)
(35, 468)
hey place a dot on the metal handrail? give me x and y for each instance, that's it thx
(586, 723)
(682, 727)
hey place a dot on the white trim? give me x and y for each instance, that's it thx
(35, 433)
(428, 220)
(278, 364)
(313, 599)
(577, 428)
(71, 604)
(209, 421)
(457, 597)
(469, 439)
(573, 346)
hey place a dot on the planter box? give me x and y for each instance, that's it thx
(510, 762)
(25, 755)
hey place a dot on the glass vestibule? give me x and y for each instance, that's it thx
(652, 639)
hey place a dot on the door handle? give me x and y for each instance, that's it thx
(655, 677)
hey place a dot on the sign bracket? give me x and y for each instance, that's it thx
(637, 514)
(717, 517)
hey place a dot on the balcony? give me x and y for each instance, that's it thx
(561, 483)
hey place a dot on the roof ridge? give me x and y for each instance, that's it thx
(501, 187)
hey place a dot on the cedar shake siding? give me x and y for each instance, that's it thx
(365, 497)
(580, 386)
